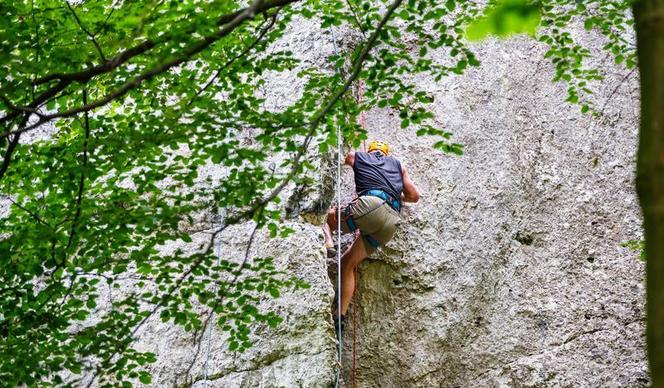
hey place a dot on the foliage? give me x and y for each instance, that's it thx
(506, 18)
(611, 18)
(143, 97)
(636, 246)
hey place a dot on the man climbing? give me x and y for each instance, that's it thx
(382, 185)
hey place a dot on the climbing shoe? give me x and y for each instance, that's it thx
(331, 251)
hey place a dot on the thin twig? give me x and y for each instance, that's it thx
(81, 183)
(220, 301)
(357, 67)
(608, 99)
(240, 55)
(356, 17)
(247, 14)
(86, 31)
(30, 212)
(108, 17)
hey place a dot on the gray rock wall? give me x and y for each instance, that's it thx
(299, 352)
(509, 272)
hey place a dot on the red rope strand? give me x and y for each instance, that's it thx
(356, 303)
(363, 114)
(355, 319)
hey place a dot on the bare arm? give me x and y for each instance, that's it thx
(410, 193)
(350, 158)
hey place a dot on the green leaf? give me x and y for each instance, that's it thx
(145, 378)
(505, 18)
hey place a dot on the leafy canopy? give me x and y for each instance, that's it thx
(113, 112)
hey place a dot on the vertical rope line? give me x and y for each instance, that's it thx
(222, 220)
(356, 302)
(339, 239)
(336, 53)
(357, 278)
(363, 114)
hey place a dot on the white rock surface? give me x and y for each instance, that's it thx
(508, 273)
(299, 352)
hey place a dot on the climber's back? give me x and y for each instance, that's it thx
(374, 170)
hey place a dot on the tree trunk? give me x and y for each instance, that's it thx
(649, 17)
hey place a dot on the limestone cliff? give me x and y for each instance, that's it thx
(509, 272)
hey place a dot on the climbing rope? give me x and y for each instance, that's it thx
(356, 307)
(336, 53)
(222, 220)
(222, 216)
(363, 114)
(356, 303)
(339, 249)
(359, 98)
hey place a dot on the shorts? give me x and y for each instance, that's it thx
(374, 218)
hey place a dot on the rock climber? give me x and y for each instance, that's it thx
(382, 185)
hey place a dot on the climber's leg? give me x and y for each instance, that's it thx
(328, 227)
(327, 232)
(351, 259)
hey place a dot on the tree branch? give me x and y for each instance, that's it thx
(86, 75)
(81, 183)
(48, 94)
(111, 64)
(244, 52)
(259, 205)
(85, 30)
(242, 16)
(28, 211)
(23, 109)
(11, 147)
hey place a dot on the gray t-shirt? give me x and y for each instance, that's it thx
(376, 171)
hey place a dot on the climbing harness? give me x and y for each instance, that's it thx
(352, 226)
(394, 203)
(348, 219)
(222, 220)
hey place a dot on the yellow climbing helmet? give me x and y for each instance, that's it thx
(379, 146)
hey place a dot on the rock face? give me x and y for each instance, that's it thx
(302, 350)
(299, 352)
(509, 272)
